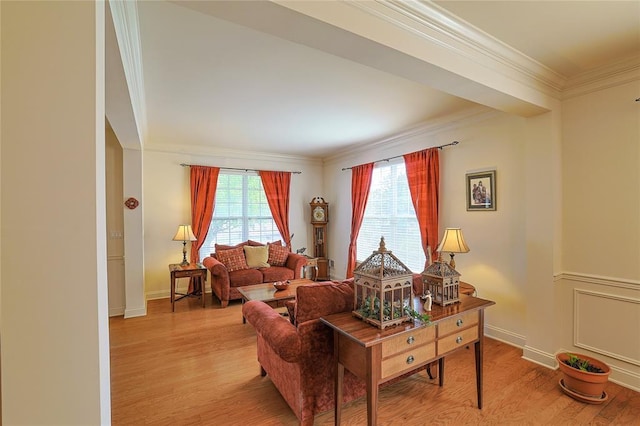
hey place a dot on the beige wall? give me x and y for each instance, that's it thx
(599, 287)
(55, 337)
(167, 204)
(556, 283)
(601, 154)
(496, 263)
(115, 223)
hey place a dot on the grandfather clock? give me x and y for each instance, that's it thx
(319, 219)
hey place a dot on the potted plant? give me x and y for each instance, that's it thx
(584, 377)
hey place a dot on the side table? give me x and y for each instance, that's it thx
(195, 270)
(312, 262)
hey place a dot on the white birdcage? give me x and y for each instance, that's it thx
(382, 289)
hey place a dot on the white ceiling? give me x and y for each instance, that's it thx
(210, 83)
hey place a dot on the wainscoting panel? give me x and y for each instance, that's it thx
(614, 334)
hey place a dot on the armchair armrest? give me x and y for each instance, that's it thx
(276, 330)
(296, 262)
(220, 281)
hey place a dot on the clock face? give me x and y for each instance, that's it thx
(318, 214)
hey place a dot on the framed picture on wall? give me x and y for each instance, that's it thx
(481, 190)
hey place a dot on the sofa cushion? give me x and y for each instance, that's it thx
(319, 299)
(233, 259)
(277, 255)
(245, 277)
(256, 256)
(277, 273)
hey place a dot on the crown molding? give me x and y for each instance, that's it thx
(437, 25)
(429, 128)
(224, 154)
(619, 72)
(126, 25)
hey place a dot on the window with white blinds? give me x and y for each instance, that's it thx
(390, 213)
(241, 213)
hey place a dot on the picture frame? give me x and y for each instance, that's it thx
(481, 191)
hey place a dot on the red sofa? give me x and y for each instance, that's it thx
(297, 352)
(224, 284)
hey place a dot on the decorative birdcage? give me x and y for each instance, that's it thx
(382, 289)
(443, 282)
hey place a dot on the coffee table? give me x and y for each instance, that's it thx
(268, 294)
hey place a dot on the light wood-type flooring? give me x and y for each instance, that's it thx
(198, 367)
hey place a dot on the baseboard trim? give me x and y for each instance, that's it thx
(505, 336)
(135, 312)
(160, 294)
(544, 359)
(624, 377)
(114, 312)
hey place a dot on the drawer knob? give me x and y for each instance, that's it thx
(410, 340)
(410, 359)
(459, 339)
(459, 322)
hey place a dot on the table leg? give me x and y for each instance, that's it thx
(374, 363)
(173, 293)
(441, 372)
(244, 320)
(203, 282)
(478, 353)
(478, 347)
(338, 392)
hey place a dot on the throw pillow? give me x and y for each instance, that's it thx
(256, 256)
(233, 259)
(255, 243)
(277, 255)
(220, 247)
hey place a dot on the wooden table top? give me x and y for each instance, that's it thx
(190, 267)
(267, 292)
(368, 335)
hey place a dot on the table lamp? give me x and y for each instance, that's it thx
(184, 234)
(453, 242)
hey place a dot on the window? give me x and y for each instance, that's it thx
(241, 213)
(390, 214)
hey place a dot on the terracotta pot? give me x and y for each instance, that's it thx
(590, 385)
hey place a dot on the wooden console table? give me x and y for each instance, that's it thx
(377, 356)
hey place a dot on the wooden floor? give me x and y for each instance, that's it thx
(198, 367)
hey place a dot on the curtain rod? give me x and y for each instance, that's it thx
(243, 170)
(398, 156)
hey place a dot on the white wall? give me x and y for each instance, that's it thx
(55, 337)
(167, 204)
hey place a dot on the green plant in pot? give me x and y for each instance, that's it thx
(584, 377)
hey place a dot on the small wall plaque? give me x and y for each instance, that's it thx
(131, 203)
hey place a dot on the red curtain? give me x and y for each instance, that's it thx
(360, 185)
(276, 186)
(423, 174)
(204, 181)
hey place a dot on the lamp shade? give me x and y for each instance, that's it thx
(453, 241)
(184, 234)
